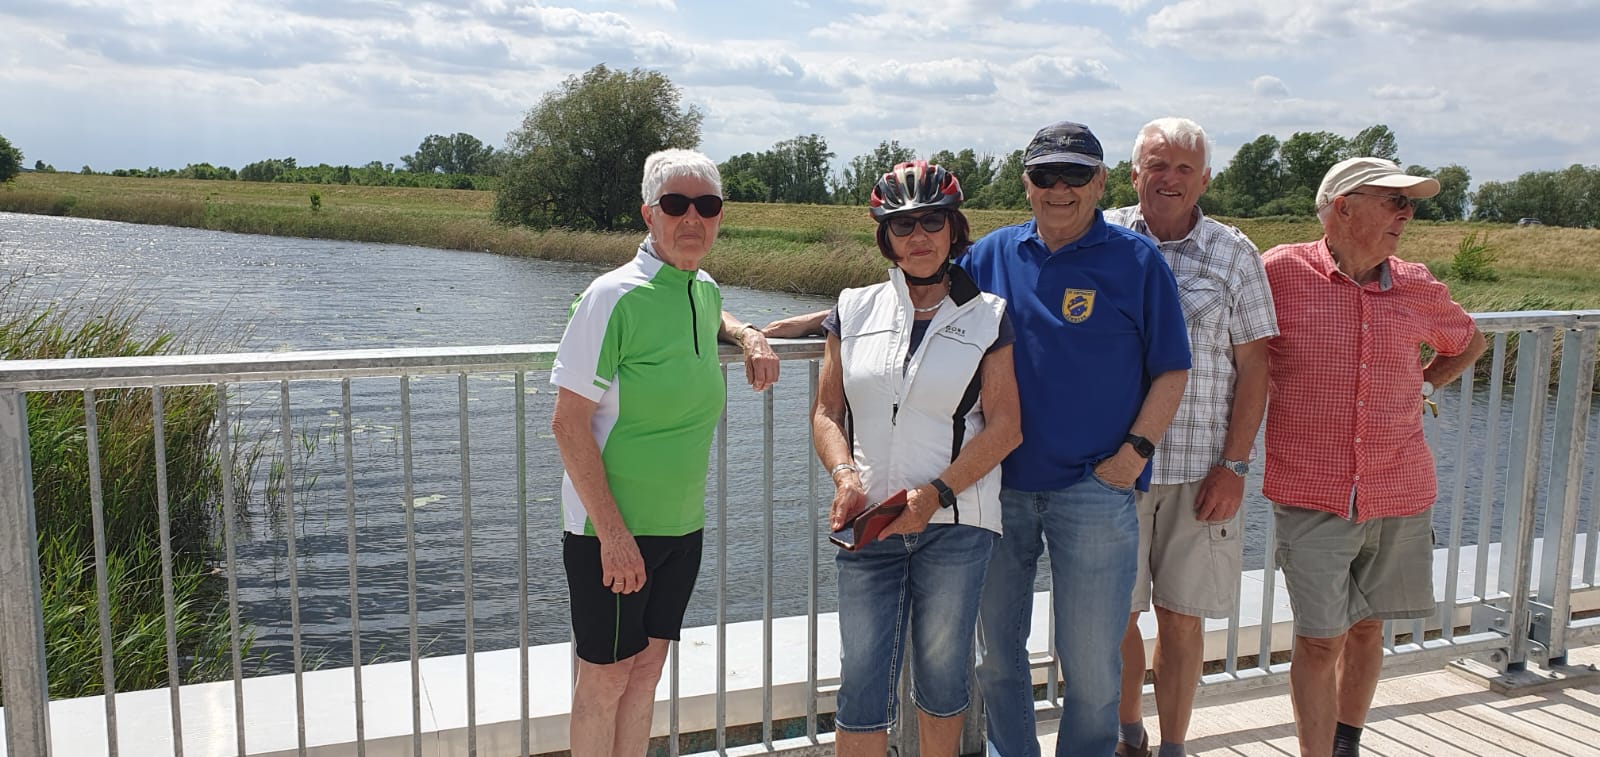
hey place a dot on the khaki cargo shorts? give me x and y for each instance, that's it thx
(1340, 572)
(1187, 565)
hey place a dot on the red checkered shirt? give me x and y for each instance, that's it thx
(1345, 417)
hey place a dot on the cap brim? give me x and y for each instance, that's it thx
(1410, 186)
(1064, 157)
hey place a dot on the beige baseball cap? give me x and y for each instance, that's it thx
(1346, 176)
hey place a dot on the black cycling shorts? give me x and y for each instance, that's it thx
(611, 627)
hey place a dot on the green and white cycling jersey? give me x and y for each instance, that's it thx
(642, 343)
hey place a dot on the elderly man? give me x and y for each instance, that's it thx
(1101, 361)
(640, 390)
(1190, 541)
(1347, 466)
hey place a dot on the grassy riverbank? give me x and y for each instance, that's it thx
(800, 248)
(33, 326)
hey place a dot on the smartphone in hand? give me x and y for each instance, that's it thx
(864, 528)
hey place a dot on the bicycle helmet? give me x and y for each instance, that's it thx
(914, 185)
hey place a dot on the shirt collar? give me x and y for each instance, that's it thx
(1137, 223)
(1096, 234)
(1323, 261)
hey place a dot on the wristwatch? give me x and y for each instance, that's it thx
(1427, 389)
(947, 496)
(1240, 468)
(1141, 445)
(738, 335)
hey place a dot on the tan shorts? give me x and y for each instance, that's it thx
(1189, 566)
(1340, 572)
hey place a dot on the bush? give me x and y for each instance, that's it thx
(1474, 260)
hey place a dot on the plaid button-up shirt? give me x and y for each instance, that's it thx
(1226, 301)
(1344, 423)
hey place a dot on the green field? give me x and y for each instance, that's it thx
(814, 249)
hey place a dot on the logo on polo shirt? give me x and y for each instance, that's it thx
(1077, 305)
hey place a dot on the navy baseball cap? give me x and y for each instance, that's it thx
(1064, 142)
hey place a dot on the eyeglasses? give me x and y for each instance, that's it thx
(1396, 203)
(1073, 174)
(708, 206)
(902, 226)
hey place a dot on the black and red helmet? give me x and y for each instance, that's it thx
(914, 185)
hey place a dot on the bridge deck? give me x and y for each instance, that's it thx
(1438, 713)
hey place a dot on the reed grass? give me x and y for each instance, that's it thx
(35, 325)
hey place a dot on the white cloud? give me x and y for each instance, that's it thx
(1269, 86)
(1404, 92)
(1063, 74)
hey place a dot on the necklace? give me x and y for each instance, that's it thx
(930, 308)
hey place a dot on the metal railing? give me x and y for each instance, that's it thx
(1518, 613)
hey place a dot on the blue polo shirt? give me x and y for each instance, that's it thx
(1095, 322)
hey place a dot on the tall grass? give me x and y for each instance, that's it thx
(33, 326)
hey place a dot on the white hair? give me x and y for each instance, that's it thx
(674, 163)
(1178, 131)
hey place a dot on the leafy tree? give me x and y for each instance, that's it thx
(10, 161)
(43, 167)
(1306, 157)
(854, 185)
(794, 170)
(1005, 190)
(578, 158)
(266, 170)
(86, 170)
(1375, 141)
(1253, 178)
(974, 171)
(457, 153)
(1119, 187)
(1452, 197)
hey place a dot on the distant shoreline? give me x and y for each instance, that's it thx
(809, 249)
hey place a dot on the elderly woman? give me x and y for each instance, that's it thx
(917, 394)
(641, 390)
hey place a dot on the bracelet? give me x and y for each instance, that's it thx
(834, 473)
(738, 336)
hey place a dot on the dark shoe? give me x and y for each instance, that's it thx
(1124, 749)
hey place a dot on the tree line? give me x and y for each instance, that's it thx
(577, 159)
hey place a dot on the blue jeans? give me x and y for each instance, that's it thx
(1092, 531)
(930, 581)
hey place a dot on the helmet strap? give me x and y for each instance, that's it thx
(923, 281)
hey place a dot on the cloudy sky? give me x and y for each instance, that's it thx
(1499, 86)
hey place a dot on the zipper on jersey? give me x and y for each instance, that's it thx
(694, 319)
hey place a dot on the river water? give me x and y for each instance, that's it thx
(271, 293)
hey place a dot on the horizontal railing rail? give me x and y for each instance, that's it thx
(1513, 444)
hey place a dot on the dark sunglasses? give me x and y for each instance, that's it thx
(1396, 203)
(708, 206)
(1073, 174)
(902, 226)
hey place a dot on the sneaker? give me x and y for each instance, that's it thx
(1124, 749)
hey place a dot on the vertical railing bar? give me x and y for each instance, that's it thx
(351, 557)
(1565, 487)
(22, 638)
(1458, 506)
(673, 715)
(411, 564)
(229, 545)
(722, 575)
(1592, 543)
(1533, 381)
(1388, 635)
(815, 536)
(1491, 465)
(169, 603)
(102, 587)
(1269, 590)
(287, 432)
(466, 563)
(1051, 689)
(522, 560)
(1231, 665)
(768, 587)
